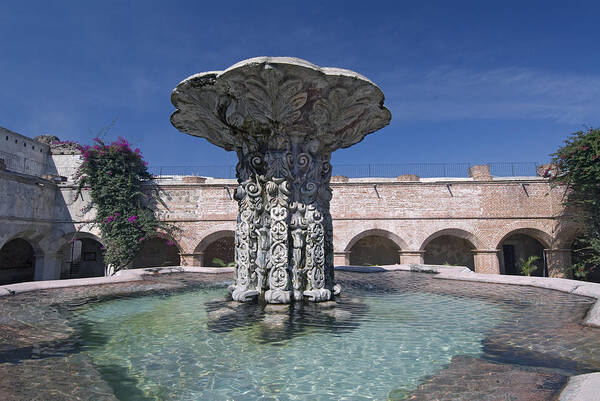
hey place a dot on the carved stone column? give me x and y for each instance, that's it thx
(283, 117)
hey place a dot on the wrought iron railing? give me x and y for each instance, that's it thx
(425, 170)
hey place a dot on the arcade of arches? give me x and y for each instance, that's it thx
(506, 257)
(82, 257)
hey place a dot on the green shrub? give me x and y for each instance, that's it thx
(578, 163)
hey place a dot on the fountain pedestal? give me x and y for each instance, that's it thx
(284, 117)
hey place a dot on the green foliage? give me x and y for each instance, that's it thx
(578, 162)
(527, 267)
(123, 196)
(221, 263)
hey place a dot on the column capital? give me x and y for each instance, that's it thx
(485, 251)
(558, 250)
(191, 254)
(411, 252)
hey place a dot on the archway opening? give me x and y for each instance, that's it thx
(374, 250)
(17, 262)
(82, 257)
(157, 252)
(220, 252)
(449, 250)
(516, 250)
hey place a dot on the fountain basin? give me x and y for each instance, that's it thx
(392, 334)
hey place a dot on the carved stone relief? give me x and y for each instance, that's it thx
(284, 117)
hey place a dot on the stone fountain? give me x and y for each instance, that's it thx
(284, 117)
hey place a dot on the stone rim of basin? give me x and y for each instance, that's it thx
(269, 96)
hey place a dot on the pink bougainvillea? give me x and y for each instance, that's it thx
(123, 197)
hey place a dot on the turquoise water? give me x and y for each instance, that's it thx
(189, 346)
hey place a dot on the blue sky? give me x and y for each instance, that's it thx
(465, 81)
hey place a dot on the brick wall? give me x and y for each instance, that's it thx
(410, 213)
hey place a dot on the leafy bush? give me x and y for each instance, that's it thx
(221, 263)
(123, 196)
(526, 266)
(578, 163)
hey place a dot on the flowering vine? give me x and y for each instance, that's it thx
(124, 198)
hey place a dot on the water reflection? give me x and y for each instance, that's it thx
(271, 323)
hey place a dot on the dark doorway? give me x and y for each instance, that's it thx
(82, 258)
(509, 259)
(157, 252)
(220, 253)
(17, 262)
(374, 250)
(517, 249)
(449, 250)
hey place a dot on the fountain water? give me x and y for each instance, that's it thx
(284, 117)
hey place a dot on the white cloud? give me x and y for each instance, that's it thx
(508, 93)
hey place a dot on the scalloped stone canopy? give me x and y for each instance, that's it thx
(284, 117)
(277, 99)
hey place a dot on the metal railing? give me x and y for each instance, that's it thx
(424, 170)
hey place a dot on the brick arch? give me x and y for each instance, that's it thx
(455, 232)
(538, 233)
(377, 232)
(212, 237)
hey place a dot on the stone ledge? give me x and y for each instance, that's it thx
(122, 276)
(436, 269)
(591, 290)
(581, 388)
